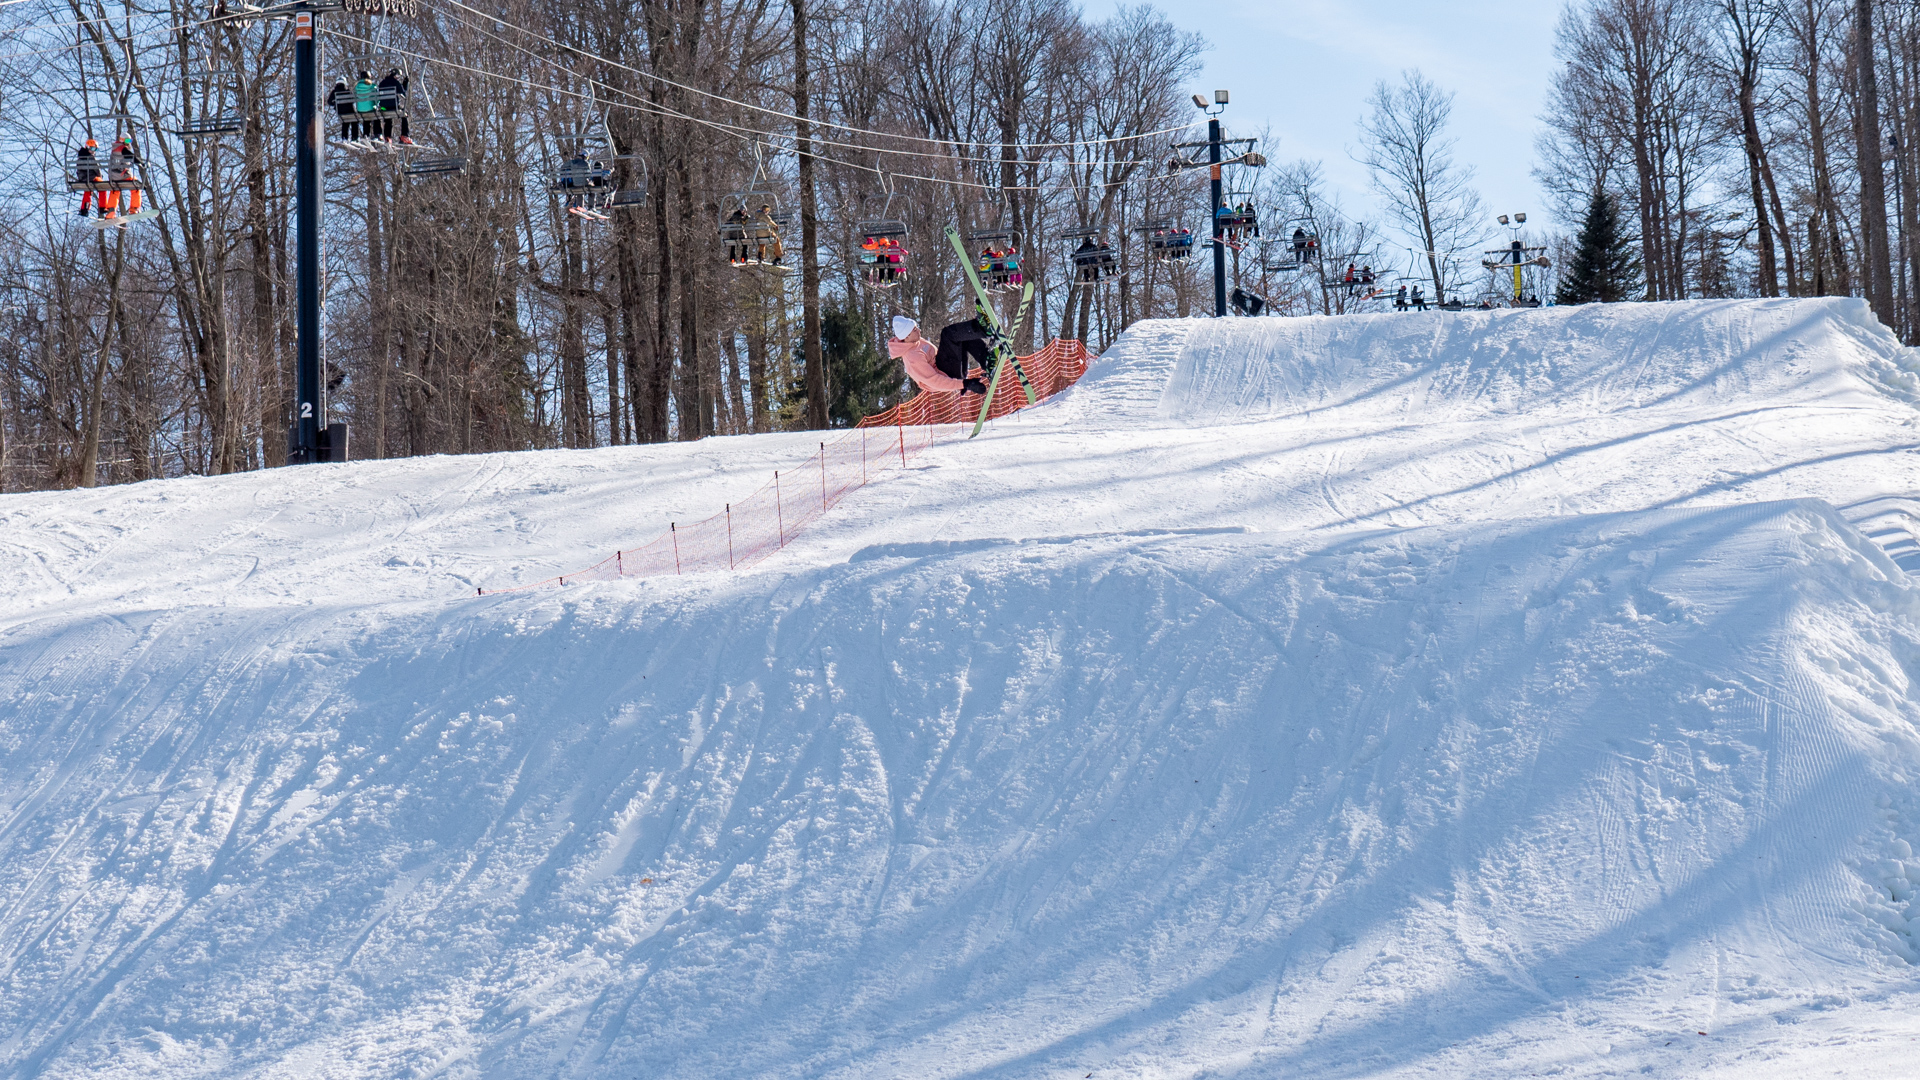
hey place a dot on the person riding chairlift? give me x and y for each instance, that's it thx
(1087, 258)
(393, 98)
(766, 235)
(737, 236)
(882, 257)
(86, 170)
(366, 101)
(576, 176)
(121, 161)
(341, 98)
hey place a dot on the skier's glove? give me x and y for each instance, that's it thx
(973, 386)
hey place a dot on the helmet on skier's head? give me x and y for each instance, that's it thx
(903, 327)
(91, 145)
(366, 76)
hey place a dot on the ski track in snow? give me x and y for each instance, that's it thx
(1491, 694)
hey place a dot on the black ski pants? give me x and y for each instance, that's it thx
(960, 343)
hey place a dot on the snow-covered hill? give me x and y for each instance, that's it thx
(1482, 694)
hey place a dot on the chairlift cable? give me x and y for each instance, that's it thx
(643, 104)
(789, 116)
(89, 44)
(649, 109)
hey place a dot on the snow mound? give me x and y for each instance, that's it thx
(1367, 697)
(1588, 360)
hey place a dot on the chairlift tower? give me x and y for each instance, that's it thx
(313, 438)
(1517, 256)
(1215, 163)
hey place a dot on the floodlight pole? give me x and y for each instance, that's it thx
(311, 438)
(1219, 234)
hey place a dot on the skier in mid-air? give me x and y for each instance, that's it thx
(943, 368)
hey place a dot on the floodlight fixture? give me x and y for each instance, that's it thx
(1503, 219)
(1199, 102)
(1219, 97)
(1520, 219)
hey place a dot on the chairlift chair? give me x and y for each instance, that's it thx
(101, 184)
(390, 103)
(1094, 262)
(1166, 240)
(996, 255)
(1239, 222)
(1364, 276)
(435, 166)
(1286, 256)
(590, 178)
(751, 222)
(882, 255)
(218, 123)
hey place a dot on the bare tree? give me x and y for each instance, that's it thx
(1406, 149)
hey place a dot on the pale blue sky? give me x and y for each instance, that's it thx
(1306, 66)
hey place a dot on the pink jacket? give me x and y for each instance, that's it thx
(919, 360)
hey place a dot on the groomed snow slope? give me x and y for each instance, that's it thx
(1390, 696)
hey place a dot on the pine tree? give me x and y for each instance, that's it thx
(1603, 267)
(858, 376)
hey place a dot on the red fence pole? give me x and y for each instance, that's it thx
(729, 536)
(823, 477)
(779, 514)
(675, 531)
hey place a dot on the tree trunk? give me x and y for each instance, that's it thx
(1877, 277)
(757, 373)
(96, 388)
(816, 366)
(1750, 129)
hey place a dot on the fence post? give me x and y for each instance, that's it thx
(823, 478)
(729, 536)
(863, 455)
(779, 514)
(903, 445)
(619, 567)
(674, 530)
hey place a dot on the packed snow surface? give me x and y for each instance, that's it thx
(1491, 694)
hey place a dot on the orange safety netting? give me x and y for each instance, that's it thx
(767, 520)
(1050, 370)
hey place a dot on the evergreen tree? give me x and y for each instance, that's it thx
(859, 377)
(1603, 267)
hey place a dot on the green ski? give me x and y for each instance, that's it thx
(1002, 358)
(1002, 347)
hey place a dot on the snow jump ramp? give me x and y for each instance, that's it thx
(1497, 699)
